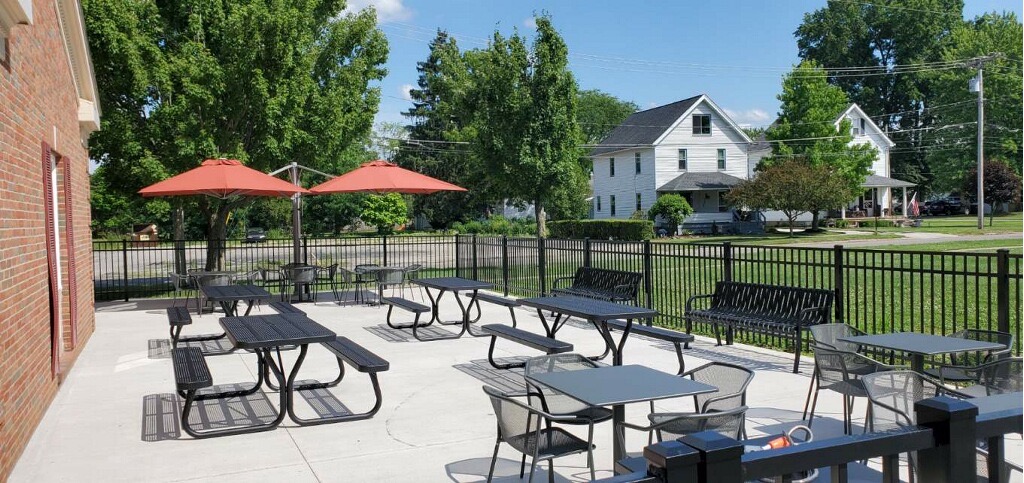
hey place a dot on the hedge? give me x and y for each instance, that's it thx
(602, 229)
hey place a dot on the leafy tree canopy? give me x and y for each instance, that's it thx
(599, 112)
(1002, 183)
(384, 212)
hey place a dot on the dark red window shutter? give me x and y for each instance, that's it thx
(72, 267)
(51, 259)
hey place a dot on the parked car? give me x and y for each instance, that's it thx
(949, 205)
(255, 235)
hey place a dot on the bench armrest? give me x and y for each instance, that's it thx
(623, 289)
(689, 301)
(822, 308)
(554, 284)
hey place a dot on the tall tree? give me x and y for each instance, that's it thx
(952, 150)
(264, 82)
(1002, 184)
(527, 134)
(806, 129)
(887, 35)
(599, 112)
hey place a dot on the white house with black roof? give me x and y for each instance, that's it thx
(690, 147)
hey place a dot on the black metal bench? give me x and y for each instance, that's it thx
(600, 283)
(286, 308)
(408, 305)
(668, 335)
(499, 300)
(769, 309)
(540, 342)
(361, 359)
(179, 317)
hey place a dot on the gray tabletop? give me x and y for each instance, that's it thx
(925, 344)
(589, 309)
(612, 385)
(227, 293)
(274, 330)
(454, 284)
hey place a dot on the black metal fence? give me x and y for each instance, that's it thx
(123, 270)
(876, 290)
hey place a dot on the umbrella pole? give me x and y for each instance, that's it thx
(296, 217)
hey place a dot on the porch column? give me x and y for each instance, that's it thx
(904, 201)
(842, 212)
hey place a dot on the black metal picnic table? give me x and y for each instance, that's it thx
(919, 345)
(229, 295)
(617, 386)
(266, 335)
(453, 285)
(597, 312)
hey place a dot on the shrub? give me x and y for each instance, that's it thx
(384, 212)
(841, 223)
(602, 229)
(496, 225)
(672, 208)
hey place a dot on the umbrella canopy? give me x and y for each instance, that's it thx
(222, 178)
(384, 177)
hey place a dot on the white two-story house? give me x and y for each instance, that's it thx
(878, 197)
(690, 147)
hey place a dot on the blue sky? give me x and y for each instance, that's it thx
(651, 53)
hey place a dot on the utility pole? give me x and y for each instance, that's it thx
(977, 85)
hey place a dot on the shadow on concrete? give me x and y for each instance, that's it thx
(405, 335)
(507, 380)
(323, 402)
(161, 413)
(506, 470)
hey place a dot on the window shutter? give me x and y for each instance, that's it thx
(72, 267)
(51, 261)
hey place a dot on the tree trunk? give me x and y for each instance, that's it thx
(217, 224)
(538, 211)
(814, 219)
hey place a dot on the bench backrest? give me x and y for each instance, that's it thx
(617, 281)
(774, 300)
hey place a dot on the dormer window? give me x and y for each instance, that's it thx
(702, 124)
(863, 126)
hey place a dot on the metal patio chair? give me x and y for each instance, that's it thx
(828, 335)
(390, 277)
(671, 426)
(184, 286)
(328, 274)
(555, 402)
(302, 276)
(996, 377)
(840, 371)
(730, 379)
(962, 367)
(528, 430)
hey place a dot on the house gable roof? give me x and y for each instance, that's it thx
(643, 128)
(721, 114)
(854, 108)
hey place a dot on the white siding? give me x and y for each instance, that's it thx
(702, 150)
(625, 184)
(874, 139)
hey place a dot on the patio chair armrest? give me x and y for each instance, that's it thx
(689, 301)
(558, 280)
(636, 427)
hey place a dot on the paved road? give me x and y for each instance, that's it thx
(914, 238)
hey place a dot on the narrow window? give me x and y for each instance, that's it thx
(5, 59)
(611, 204)
(598, 203)
(863, 124)
(639, 204)
(723, 206)
(682, 159)
(611, 167)
(636, 159)
(721, 159)
(702, 123)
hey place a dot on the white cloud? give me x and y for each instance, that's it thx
(405, 88)
(387, 10)
(750, 117)
(530, 23)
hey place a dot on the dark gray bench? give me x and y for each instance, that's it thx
(286, 308)
(768, 309)
(408, 305)
(502, 301)
(178, 317)
(361, 359)
(676, 338)
(536, 341)
(600, 283)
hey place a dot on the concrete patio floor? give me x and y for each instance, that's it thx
(116, 416)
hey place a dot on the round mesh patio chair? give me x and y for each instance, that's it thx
(996, 377)
(671, 426)
(828, 335)
(328, 274)
(527, 428)
(555, 402)
(730, 379)
(184, 287)
(350, 278)
(962, 367)
(390, 277)
(840, 371)
(411, 273)
(302, 276)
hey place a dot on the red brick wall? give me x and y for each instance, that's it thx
(38, 104)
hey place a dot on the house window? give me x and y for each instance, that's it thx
(5, 60)
(863, 124)
(721, 159)
(636, 159)
(611, 167)
(639, 202)
(682, 159)
(723, 207)
(611, 204)
(702, 123)
(598, 203)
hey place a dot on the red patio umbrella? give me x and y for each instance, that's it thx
(222, 178)
(384, 177)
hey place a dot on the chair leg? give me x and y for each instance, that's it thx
(814, 403)
(494, 459)
(590, 451)
(522, 467)
(810, 388)
(551, 470)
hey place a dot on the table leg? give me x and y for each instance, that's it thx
(618, 433)
(465, 313)
(434, 317)
(917, 363)
(615, 349)
(248, 307)
(997, 470)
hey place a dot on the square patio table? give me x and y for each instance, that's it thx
(266, 335)
(229, 295)
(920, 345)
(991, 405)
(617, 386)
(453, 285)
(597, 312)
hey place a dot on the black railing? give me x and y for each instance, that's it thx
(944, 440)
(124, 270)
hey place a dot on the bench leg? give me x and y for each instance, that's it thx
(718, 333)
(416, 321)
(324, 385)
(689, 330)
(175, 334)
(797, 347)
(682, 363)
(490, 357)
(191, 397)
(339, 418)
(512, 312)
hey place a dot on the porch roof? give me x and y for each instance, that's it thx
(701, 181)
(876, 181)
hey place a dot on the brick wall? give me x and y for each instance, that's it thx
(38, 106)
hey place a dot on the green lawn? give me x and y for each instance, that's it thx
(777, 238)
(967, 225)
(1014, 245)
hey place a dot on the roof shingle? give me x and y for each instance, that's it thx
(644, 127)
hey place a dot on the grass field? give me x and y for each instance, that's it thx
(982, 246)
(967, 224)
(777, 238)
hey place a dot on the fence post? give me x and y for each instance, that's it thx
(952, 422)
(124, 256)
(504, 263)
(672, 462)
(541, 269)
(837, 268)
(384, 248)
(305, 250)
(475, 259)
(720, 457)
(648, 282)
(727, 261)
(586, 252)
(457, 257)
(1003, 289)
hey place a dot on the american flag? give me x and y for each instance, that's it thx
(915, 210)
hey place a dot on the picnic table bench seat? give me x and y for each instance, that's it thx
(536, 341)
(407, 305)
(676, 338)
(600, 283)
(286, 308)
(769, 309)
(179, 317)
(347, 351)
(511, 304)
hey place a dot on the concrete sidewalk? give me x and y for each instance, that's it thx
(116, 416)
